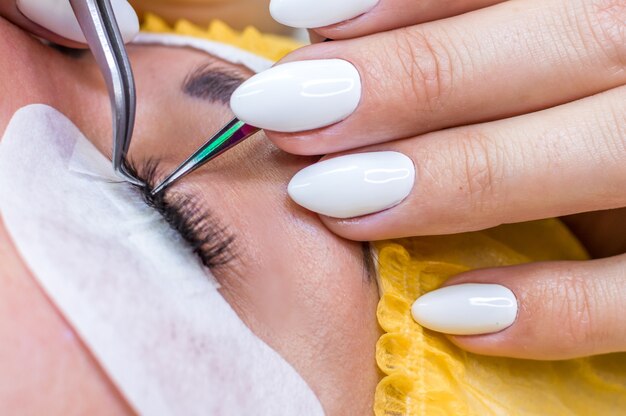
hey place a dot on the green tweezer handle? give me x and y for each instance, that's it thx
(229, 136)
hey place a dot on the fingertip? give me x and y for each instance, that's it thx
(58, 17)
(562, 310)
(299, 96)
(300, 144)
(316, 37)
(127, 19)
(478, 315)
(493, 345)
(318, 13)
(352, 229)
(354, 185)
(318, 142)
(467, 309)
(383, 225)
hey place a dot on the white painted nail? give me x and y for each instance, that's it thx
(318, 13)
(467, 309)
(354, 185)
(57, 16)
(299, 96)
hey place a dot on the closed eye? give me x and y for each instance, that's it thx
(204, 233)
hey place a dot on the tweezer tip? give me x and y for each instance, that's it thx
(173, 177)
(159, 188)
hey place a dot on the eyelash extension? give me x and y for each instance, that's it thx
(212, 83)
(206, 237)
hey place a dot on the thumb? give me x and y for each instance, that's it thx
(543, 311)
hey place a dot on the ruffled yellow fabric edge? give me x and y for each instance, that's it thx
(272, 47)
(425, 374)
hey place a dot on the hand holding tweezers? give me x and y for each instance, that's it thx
(97, 21)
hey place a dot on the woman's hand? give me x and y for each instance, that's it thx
(54, 20)
(510, 113)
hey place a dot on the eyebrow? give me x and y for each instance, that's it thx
(213, 82)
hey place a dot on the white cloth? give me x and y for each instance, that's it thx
(228, 53)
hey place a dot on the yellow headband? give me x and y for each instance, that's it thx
(272, 47)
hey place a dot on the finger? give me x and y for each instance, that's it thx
(497, 62)
(556, 162)
(315, 37)
(55, 21)
(541, 311)
(356, 18)
(9, 11)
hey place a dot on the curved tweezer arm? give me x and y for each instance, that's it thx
(232, 134)
(100, 28)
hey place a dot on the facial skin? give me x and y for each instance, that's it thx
(300, 288)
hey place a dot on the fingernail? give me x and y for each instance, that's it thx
(318, 13)
(467, 309)
(299, 96)
(354, 185)
(57, 16)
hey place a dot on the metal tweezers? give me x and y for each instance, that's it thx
(97, 21)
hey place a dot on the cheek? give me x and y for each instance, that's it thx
(300, 282)
(295, 274)
(301, 289)
(313, 303)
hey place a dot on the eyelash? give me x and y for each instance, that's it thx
(199, 228)
(69, 52)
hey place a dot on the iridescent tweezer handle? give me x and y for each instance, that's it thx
(228, 137)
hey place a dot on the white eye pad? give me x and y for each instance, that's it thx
(140, 301)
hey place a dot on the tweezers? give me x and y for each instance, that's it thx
(232, 134)
(97, 21)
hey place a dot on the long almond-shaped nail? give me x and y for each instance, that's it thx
(299, 96)
(318, 13)
(354, 185)
(57, 16)
(467, 309)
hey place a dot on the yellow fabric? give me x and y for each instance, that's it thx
(426, 375)
(272, 47)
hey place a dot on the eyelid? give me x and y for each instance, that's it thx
(202, 231)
